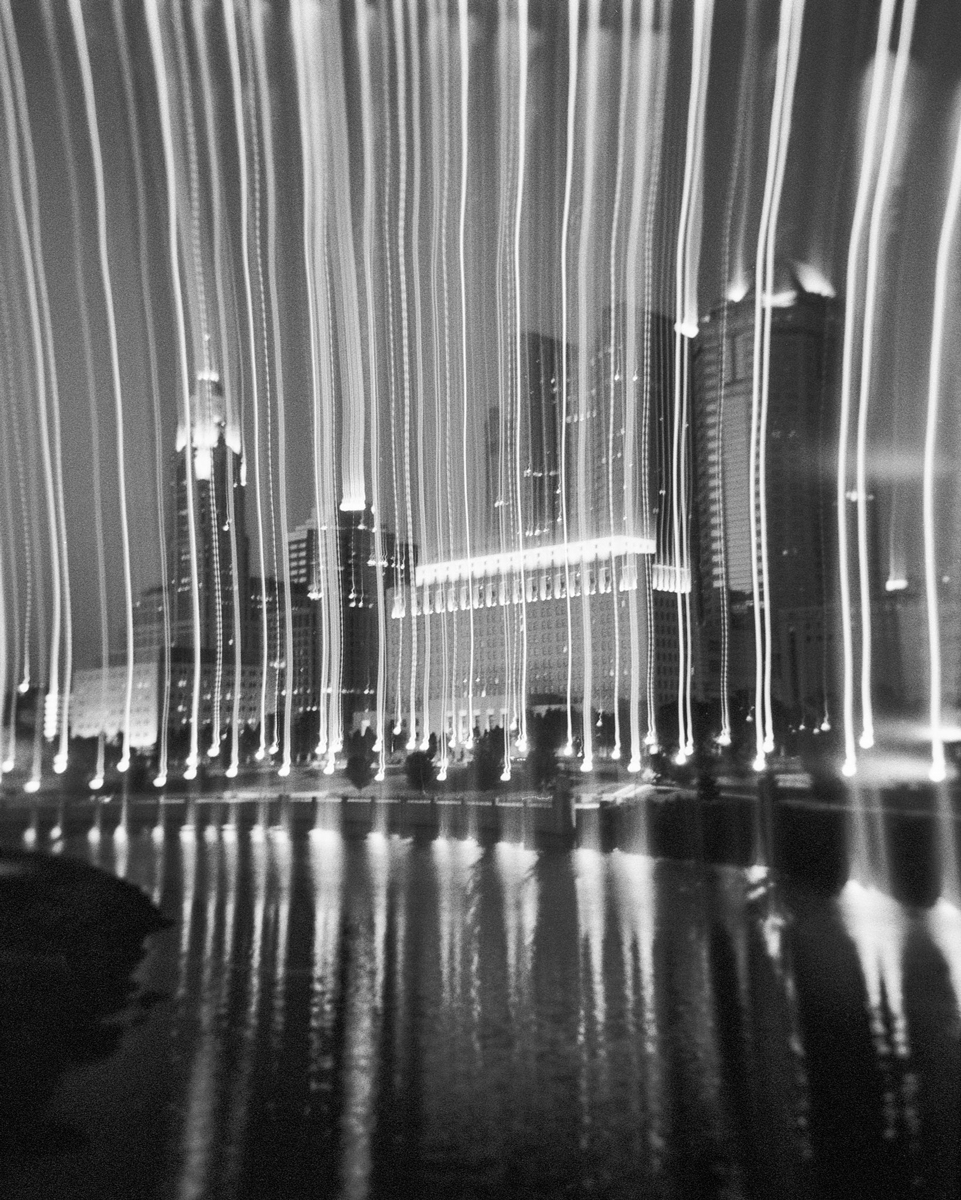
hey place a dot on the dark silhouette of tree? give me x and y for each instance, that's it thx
(488, 763)
(359, 769)
(419, 769)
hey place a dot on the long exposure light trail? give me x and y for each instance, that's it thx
(866, 178)
(463, 40)
(789, 39)
(237, 96)
(86, 339)
(945, 264)
(146, 294)
(522, 72)
(80, 38)
(277, 359)
(892, 126)
(586, 417)
(24, 197)
(180, 329)
(614, 376)
(372, 372)
(573, 20)
(685, 327)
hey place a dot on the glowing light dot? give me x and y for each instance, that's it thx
(397, 729)
(616, 753)
(213, 751)
(93, 835)
(587, 765)
(937, 774)
(379, 776)
(680, 758)
(329, 767)
(505, 775)
(274, 747)
(284, 771)
(7, 766)
(56, 833)
(32, 785)
(96, 783)
(866, 740)
(849, 768)
(568, 750)
(160, 781)
(259, 755)
(769, 744)
(723, 739)
(157, 833)
(522, 745)
(825, 726)
(190, 773)
(425, 743)
(376, 746)
(411, 743)
(23, 687)
(760, 763)
(123, 765)
(231, 772)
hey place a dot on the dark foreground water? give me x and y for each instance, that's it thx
(382, 1017)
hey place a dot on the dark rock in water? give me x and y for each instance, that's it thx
(70, 938)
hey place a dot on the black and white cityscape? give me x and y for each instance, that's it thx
(480, 598)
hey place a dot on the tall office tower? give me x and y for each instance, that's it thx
(798, 495)
(631, 486)
(356, 585)
(540, 451)
(220, 531)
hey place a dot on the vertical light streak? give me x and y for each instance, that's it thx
(270, 170)
(439, 74)
(685, 327)
(130, 105)
(194, 253)
(373, 373)
(615, 525)
(645, 168)
(400, 59)
(90, 105)
(8, 551)
(522, 51)
(882, 188)
(420, 380)
(586, 418)
(945, 265)
(233, 56)
(788, 49)
(740, 168)
(216, 199)
(86, 339)
(865, 179)
(163, 100)
(463, 37)
(573, 16)
(19, 140)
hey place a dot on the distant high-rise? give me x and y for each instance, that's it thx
(219, 524)
(798, 494)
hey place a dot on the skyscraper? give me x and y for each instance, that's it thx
(220, 545)
(798, 495)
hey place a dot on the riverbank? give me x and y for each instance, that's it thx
(70, 940)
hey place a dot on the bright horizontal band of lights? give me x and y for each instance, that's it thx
(532, 558)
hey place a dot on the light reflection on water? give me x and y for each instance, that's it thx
(388, 1017)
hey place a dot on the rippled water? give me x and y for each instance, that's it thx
(379, 1016)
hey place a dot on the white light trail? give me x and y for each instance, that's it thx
(372, 373)
(19, 139)
(233, 56)
(463, 37)
(881, 194)
(130, 105)
(170, 170)
(573, 18)
(687, 264)
(788, 49)
(90, 105)
(851, 293)
(277, 357)
(615, 520)
(945, 269)
(585, 418)
(522, 71)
